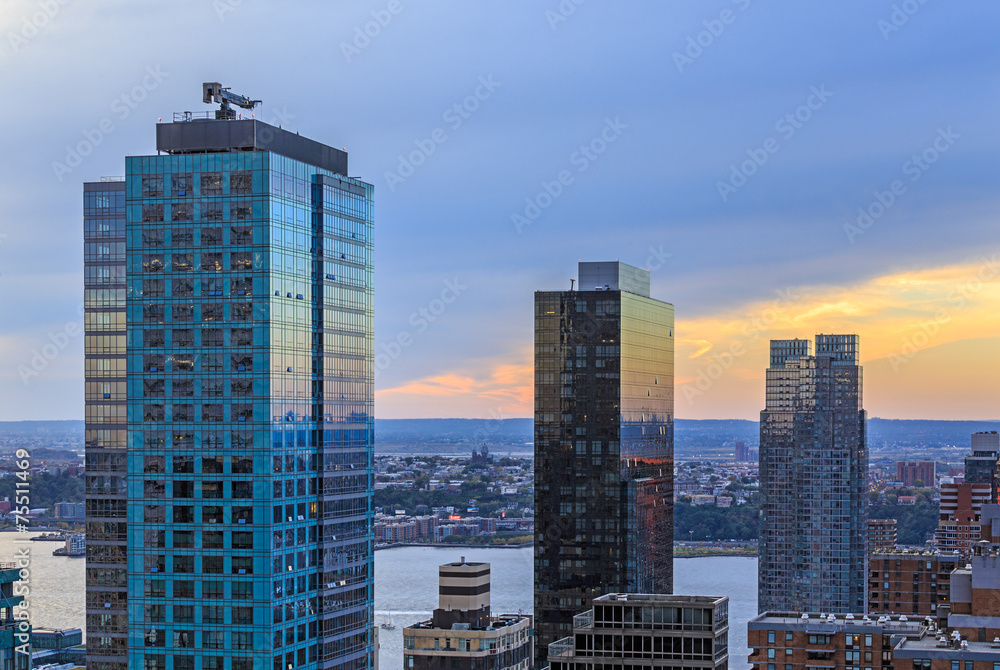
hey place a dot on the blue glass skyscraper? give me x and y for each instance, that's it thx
(250, 402)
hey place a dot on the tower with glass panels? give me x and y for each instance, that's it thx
(813, 479)
(250, 402)
(604, 409)
(105, 454)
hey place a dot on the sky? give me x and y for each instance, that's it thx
(781, 168)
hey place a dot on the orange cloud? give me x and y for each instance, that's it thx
(926, 341)
(506, 389)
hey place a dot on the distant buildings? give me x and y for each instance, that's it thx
(73, 511)
(981, 466)
(745, 454)
(631, 631)
(917, 473)
(604, 405)
(958, 521)
(813, 479)
(462, 634)
(881, 535)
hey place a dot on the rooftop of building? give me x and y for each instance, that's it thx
(497, 622)
(943, 646)
(836, 623)
(200, 135)
(658, 599)
(900, 552)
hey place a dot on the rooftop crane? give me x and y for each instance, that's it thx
(213, 92)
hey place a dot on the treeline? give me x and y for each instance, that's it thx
(915, 524)
(44, 490)
(708, 522)
(488, 502)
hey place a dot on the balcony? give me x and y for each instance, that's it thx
(561, 648)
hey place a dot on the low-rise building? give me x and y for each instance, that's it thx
(881, 535)
(960, 510)
(627, 630)
(792, 641)
(462, 633)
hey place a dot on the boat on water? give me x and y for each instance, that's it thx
(50, 537)
(388, 624)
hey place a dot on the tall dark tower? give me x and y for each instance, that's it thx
(105, 452)
(604, 445)
(813, 479)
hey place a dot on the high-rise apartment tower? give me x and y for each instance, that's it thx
(813, 479)
(241, 287)
(604, 406)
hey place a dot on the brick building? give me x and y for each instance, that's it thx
(881, 535)
(911, 583)
(960, 510)
(791, 641)
(917, 473)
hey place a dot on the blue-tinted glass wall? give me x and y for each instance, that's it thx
(250, 413)
(106, 495)
(813, 479)
(603, 452)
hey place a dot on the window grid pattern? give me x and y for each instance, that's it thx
(105, 430)
(250, 413)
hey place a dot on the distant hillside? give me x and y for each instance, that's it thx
(711, 437)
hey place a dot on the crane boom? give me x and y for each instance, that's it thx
(214, 92)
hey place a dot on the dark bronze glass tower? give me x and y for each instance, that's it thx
(813, 479)
(604, 445)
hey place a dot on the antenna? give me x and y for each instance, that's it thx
(214, 92)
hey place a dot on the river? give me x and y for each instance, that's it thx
(58, 583)
(406, 589)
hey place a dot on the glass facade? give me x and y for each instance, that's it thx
(250, 413)
(603, 452)
(813, 479)
(105, 412)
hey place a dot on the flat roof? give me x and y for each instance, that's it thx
(929, 647)
(659, 598)
(216, 135)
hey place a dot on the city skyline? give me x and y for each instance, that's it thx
(732, 164)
